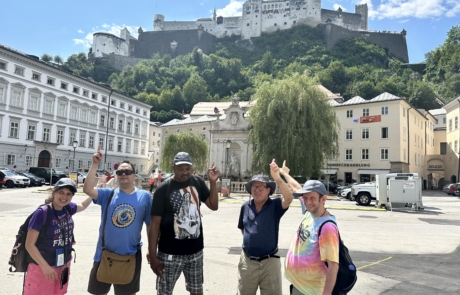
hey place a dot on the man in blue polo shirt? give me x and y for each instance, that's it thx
(259, 265)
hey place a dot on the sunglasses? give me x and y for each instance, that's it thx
(127, 172)
(258, 187)
(64, 277)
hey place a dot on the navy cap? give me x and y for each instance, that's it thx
(66, 182)
(182, 158)
(312, 186)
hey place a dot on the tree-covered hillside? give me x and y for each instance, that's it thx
(354, 67)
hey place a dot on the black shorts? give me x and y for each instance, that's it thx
(96, 287)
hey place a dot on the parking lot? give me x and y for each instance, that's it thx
(396, 252)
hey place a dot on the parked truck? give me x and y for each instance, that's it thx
(364, 193)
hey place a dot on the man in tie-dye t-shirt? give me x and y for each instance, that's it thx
(305, 262)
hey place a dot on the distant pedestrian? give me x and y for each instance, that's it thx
(152, 180)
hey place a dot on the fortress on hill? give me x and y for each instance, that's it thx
(258, 16)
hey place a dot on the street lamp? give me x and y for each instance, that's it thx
(74, 145)
(228, 143)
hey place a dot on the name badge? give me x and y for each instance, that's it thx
(59, 257)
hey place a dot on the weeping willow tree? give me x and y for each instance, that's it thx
(188, 142)
(293, 120)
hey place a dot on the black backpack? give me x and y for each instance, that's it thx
(20, 258)
(346, 276)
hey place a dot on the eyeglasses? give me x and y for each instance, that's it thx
(126, 171)
(258, 187)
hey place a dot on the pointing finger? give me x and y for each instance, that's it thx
(284, 163)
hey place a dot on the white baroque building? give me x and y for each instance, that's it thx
(43, 110)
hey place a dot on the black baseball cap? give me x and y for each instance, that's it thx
(66, 182)
(182, 158)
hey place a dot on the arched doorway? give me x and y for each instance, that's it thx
(453, 179)
(44, 159)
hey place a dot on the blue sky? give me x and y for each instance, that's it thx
(66, 27)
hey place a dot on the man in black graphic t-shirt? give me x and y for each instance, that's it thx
(176, 227)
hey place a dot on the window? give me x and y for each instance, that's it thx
(72, 136)
(384, 154)
(348, 154)
(128, 146)
(136, 129)
(62, 109)
(145, 113)
(10, 160)
(349, 113)
(31, 131)
(46, 133)
(104, 99)
(33, 102)
(444, 120)
(349, 134)
(2, 65)
(138, 111)
(404, 133)
(128, 127)
(404, 112)
(80, 164)
(456, 146)
(89, 163)
(456, 123)
(122, 105)
(94, 95)
(364, 154)
(2, 93)
(113, 102)
(415, 155)
(102, 121)
(384, 110)
(365, 112)
(16, 98)
(101, 141)
(450, 125)
(119, 145)
(384, 132)
(50, 81)
(120, 125)
(130, 108)
(153, 134)
(28, 160)
(48, 108)
(112, 122)
(19, 71)
(14, 129)
(84, 115)
(82, 142)
(92, 117)
(136, 147)
(365, 133)
(85, 93)
(91, 142)
(73, 113)
(142, 148)
(36, 77)
(60, 136)
(110, 143)
(64, 85)
(58, 162)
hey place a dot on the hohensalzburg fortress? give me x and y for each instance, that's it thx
(260, 16)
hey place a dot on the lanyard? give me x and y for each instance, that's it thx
(64, 230)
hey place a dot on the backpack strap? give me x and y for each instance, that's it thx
(319, 233)
(105, 219)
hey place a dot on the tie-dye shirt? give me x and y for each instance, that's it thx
(304, 264)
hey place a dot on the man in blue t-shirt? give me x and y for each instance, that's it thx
(259, 220)
(176, 226)
(124, 217)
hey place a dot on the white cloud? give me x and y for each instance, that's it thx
(337, 6)
(113, 29)
(80, 32)
(232, 9)
(392, 9)
(403, 21)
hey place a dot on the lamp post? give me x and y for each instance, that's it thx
(107, 129)
(228, 143)
(74, 145)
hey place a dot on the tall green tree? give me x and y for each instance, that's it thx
(58, 59)
(188, 142)
(292, 120)
(46, 57)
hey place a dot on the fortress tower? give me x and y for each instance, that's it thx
(363, 10)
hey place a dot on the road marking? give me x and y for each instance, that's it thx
(377, 262)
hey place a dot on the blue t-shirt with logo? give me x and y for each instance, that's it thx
(126, 215)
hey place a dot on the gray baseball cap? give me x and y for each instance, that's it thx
(312, 186)
(66, 182)
(182, 158)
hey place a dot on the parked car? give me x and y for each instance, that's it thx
(12, 179)
(450, 188)
(33, 179)
(81, 176)
(47, 174)
(332, 186)
(364, 193)
(62, 172)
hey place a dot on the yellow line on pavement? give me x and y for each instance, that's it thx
(377, 262)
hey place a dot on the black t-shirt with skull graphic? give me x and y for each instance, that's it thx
(178, 203)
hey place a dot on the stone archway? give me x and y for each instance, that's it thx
(44, 159)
